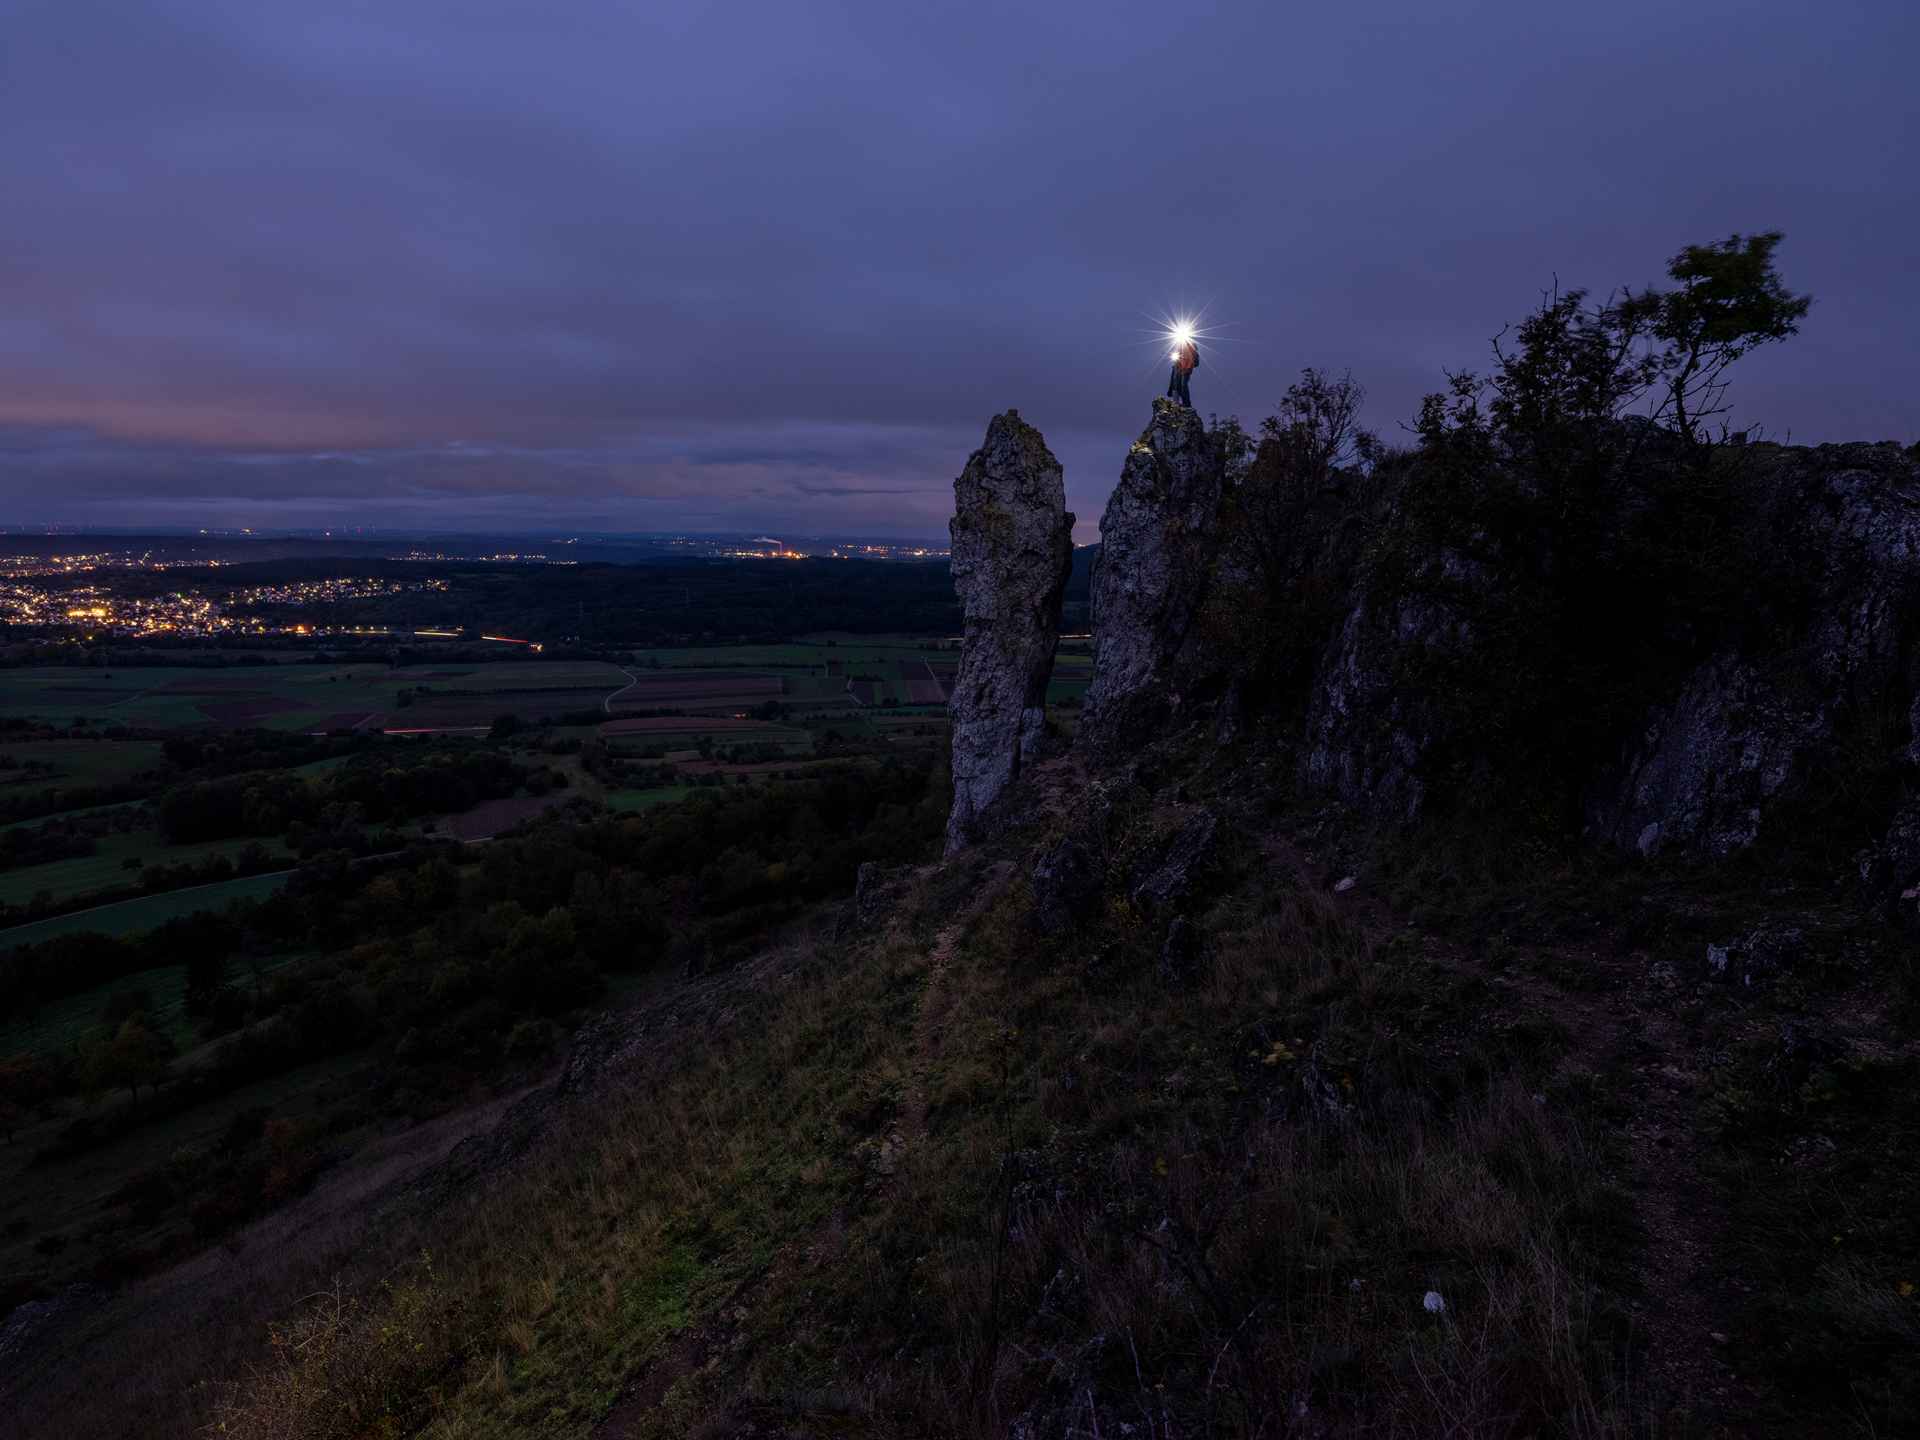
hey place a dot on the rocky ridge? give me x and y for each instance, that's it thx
(1742, 735)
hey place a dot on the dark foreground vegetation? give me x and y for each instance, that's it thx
(943, 1174)
(1212, 1094)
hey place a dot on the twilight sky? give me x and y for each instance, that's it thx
(772, 264)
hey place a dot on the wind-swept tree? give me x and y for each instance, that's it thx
(1565, 375)
(1731, 301)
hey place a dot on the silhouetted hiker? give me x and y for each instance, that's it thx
(1186, 360)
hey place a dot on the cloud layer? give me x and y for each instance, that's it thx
(482, 262)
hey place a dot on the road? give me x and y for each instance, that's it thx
(632, 680)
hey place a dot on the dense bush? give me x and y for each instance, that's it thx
(377, 788)
(39, 844)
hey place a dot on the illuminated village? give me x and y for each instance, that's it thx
(27, 598)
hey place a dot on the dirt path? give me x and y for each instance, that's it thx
(936, 1001)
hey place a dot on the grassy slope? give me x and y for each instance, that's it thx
(947, 1176)
(912, 1192)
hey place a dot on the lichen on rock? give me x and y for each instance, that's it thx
(1012, 553)
(1702, 772)
(1159, 542)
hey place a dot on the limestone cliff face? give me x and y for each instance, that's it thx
(1012, 552)
(1700, 774)
(1746, 731)
(1370, 739)
(1160, 540)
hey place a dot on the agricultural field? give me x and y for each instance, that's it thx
(107, 867)
(77, 813)
(515, 676)
(811, 678)
(660, 735)
(30, 767)
(1072, 673)
(696, 709)
(306, 697)
(725, 692)
(628, 802)
(128, 917)
(890, 690)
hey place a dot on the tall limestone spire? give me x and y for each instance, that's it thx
(1012, 552)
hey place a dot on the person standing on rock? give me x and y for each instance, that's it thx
(1186, 360)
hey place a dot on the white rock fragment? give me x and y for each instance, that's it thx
(1435, 1303)
(1345, 885)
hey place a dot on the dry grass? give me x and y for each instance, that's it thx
(1213, 1208)
(1219, 1210)
(547, 1291)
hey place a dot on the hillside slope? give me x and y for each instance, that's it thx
(949, 1177)
(1460, 979)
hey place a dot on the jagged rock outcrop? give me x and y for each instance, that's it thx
(1170, 874)
(876, 891)
(1893, 867)
(1160, 541)
(1066, 879)
(1370, 738)
(1702, 772)
(1467, 649)
(1436, 673)
(1765, 951)
(1012, 553)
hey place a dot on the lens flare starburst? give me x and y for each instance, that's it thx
(1171, 330)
